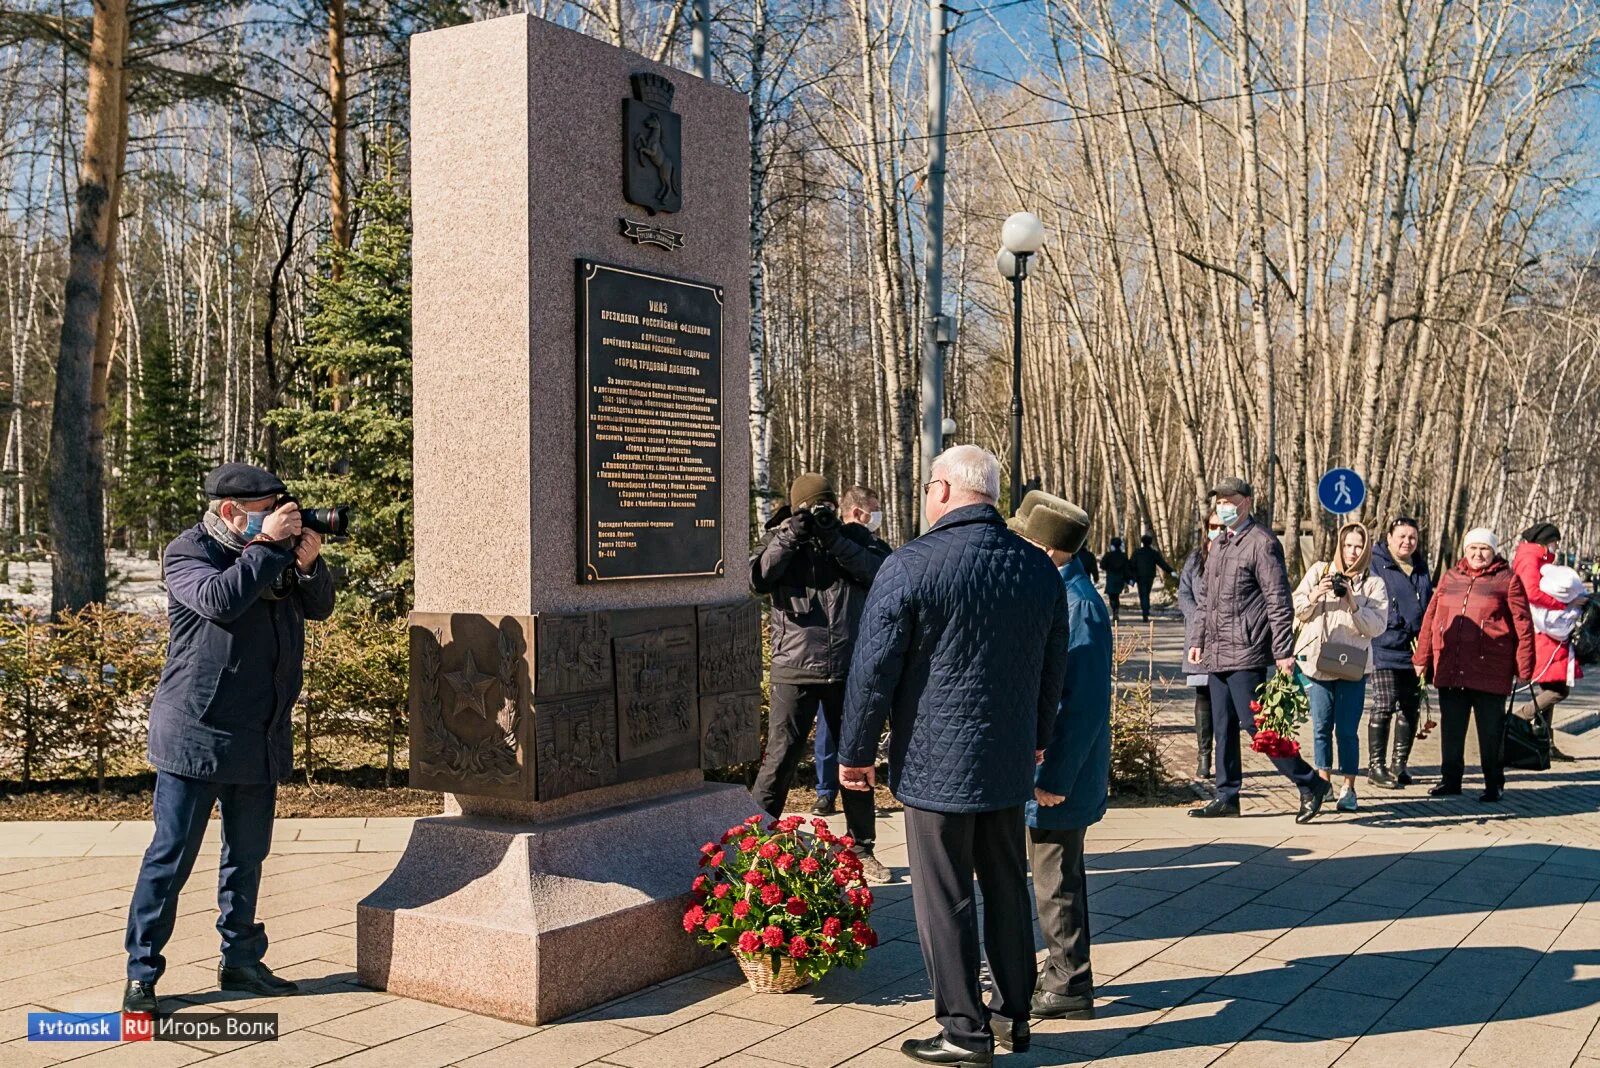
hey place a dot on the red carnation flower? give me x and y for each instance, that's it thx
(713, 921)
(809, 865)
(709, 848)
(771, 894)
(826, 836)
(841, 877)
(720, 891)
(846, 841)
(772, 936)
(700, 882)
(798, 947)
(693, 918)
(863, 934)
(717, 858)
(741, 909)
(749, 842)
(754, 877)
(749, 942)
(832, 926)
(784, 862)
(769, 850)
(1255, 706)
(752, 820)
(819, 824)
(795, 907)
(849, 859)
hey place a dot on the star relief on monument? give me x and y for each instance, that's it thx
(471, 687)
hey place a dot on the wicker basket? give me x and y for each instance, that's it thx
(758, 972)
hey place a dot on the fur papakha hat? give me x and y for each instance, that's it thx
(1055, 523)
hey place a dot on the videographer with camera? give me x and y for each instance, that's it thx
(816, 570)
(240, 586)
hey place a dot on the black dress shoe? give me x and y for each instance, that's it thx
(1311, 801)
(1490, 795)
(1402, 777)
(1048, 1006)
(254, 979)
(1216, 809)
(1445, 789)
(1556, 754)
(826, 805)
(1013, 1035)
(940, 1050)
(140, 996)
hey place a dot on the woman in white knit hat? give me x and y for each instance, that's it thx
(1476, 640)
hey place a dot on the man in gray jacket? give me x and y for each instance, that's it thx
(1246, 630)
(817, 570)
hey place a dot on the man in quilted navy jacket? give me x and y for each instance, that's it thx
(962, 650)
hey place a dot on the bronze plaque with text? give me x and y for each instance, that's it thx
(649, 425)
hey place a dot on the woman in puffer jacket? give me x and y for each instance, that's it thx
(1555, 668)
(1340, 607)
(1476, 640)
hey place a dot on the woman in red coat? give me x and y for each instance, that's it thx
(1476, 640)
(1555, 668)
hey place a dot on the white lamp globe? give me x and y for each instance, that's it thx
(1022, 233)
(947, 427)
(1006, 264)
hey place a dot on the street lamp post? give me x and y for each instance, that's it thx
(1020, 237)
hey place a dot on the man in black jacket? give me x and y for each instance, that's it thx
(817, 571)
(1146, 559)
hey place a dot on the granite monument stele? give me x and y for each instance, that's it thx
(584, 644)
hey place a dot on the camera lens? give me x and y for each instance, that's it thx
(333, 522)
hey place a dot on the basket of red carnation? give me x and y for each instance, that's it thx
(790, 903)
(1280, 708)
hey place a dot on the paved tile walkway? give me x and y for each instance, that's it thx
(1256, 942)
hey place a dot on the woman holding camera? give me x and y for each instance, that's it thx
(1340, 608)
(1476, 640)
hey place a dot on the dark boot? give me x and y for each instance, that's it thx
(1405, 733)
(1378, 749)
(1205, 741)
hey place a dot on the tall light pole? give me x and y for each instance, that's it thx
(937, 324)
(700, 37)
(1020, 237)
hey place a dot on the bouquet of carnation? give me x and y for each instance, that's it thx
(1280, 708)
(790, 903)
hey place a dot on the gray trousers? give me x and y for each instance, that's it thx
(1062, 888)
(946, 849)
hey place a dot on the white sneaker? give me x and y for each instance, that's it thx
(1347, 800)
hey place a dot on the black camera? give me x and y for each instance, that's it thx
(1339, 584)
(330, 522)
(824, 515)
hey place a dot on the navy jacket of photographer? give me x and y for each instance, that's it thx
(221, 712)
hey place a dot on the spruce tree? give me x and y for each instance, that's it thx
(157, 492)
(352, 445)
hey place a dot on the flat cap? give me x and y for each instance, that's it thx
(1233, 487)
(244, 482)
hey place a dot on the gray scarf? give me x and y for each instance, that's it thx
(215, 526)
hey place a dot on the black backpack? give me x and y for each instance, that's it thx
(1585, 637)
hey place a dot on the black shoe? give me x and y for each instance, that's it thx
(254, 979)
(1216, 809)
(140, 996)
(826, 805)
(1048, 1006)
(1311, 801)
(1202, 769)
(1402, 777)
(940, 1050)
(1444, 789)
(1491, 795)
(1556, 754)
(1378, 775)
(1012, 1035)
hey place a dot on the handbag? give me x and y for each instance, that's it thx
(1340, 660)
(1524, 744)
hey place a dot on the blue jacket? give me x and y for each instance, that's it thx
(233, 669)
(1077, 762)
(1408, 600)
(962, 650)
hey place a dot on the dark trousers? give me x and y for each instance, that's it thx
(1396, 698)
(182, 809)
(946, 849)
(1231, 694)
(794, 710)
(826, 753)
(1489, 711)
(1204, 731)
(1061, 886)
(1145, 585)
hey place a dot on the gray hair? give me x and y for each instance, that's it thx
(970, 469)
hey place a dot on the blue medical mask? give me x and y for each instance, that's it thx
(874, 521)
(1228, 513)
(253, 523)
(1213, 534)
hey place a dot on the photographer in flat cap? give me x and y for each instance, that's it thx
(240, 586)
(817, 570)
(1071, 783)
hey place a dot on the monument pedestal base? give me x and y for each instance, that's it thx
(536, 914)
